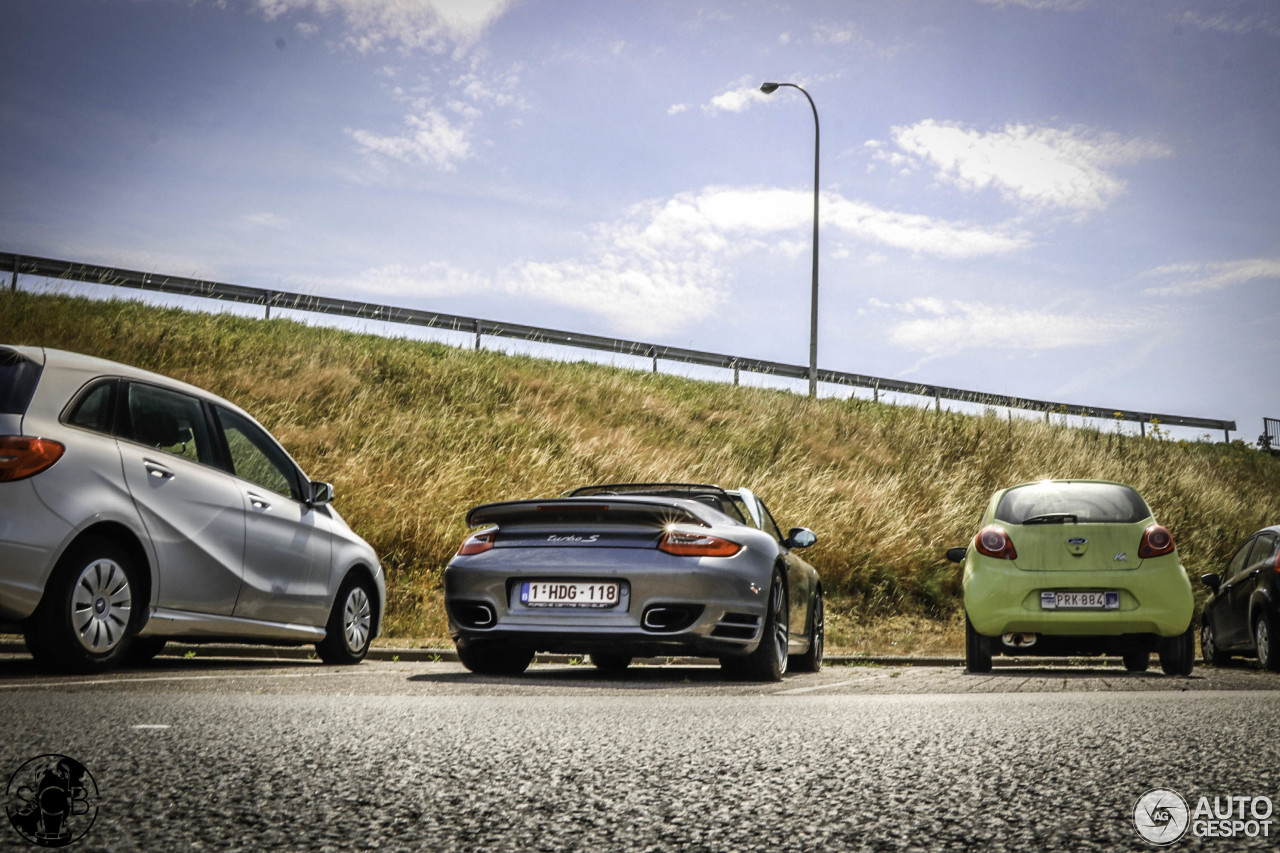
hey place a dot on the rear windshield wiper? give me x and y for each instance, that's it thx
(1051, 518)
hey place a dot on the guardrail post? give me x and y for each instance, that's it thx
(735, 372)
(478, 329)
(266, 305)
(937, 402)
(654, 353)
(13, 280)
(875, 392)
(1142, 426)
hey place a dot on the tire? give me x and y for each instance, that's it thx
(1267, 642)
(350, 629)
(610, 662)
(1178, 654)
(977, 649)
(769, 661)
(1208, 646)
(145, 649)
(811, 660)
(1137, 661)
(87, 618)
(489, 658)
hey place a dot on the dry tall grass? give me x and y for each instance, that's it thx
(414, 434)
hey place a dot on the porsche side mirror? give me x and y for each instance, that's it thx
(801, 537)
(1211, 581)
(957, 555)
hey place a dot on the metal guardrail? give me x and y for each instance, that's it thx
(268, 299)
(1270, 438)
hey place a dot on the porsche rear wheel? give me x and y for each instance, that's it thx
(769, 661)
(811, 660)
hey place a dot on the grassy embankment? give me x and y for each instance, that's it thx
(414, 434)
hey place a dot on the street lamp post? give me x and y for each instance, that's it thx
(769, 89)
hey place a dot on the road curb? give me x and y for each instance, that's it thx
(438, 655)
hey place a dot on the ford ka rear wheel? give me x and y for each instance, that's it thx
(977, 649)
(86, 620)
(1177, 654)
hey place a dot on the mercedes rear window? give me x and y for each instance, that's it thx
(18, 378)
(1061, 503)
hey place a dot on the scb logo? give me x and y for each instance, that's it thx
(1161, 816)
(52, 800)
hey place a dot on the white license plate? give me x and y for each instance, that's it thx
(569, 594)
(1080, 600)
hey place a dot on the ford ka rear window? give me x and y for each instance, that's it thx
(1069, 503)
(18, 378)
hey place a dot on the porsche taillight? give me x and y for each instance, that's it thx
(1156, 542)
(994, 542)
(697, 545)
(478, 543)
(22, 456)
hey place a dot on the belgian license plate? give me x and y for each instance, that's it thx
(569, 593)
(1080, 600)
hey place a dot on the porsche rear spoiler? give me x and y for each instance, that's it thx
(577, 511)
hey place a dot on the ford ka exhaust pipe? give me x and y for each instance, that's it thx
(1020, 640)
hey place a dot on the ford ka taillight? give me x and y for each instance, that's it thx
(22, 456)
(994, 542)
(1156, 542)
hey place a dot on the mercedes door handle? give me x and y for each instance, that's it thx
(259, 503)
(155, 469)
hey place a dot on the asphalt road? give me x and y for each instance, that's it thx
(223, 754)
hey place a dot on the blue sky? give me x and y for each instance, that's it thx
(1059, 199)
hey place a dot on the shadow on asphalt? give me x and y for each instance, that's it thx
(665, 677)
(25, 667)
(1077, 673)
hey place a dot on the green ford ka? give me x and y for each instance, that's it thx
(1075, 567)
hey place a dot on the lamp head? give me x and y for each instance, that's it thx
(769, 88)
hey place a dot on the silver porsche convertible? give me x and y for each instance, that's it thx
(636, 570)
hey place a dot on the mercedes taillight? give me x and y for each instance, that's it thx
(22, 457)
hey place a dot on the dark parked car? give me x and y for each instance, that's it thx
(1242, 617)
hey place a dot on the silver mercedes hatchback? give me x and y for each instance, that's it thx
(136, 509)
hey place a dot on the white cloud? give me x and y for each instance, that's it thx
(1232, 21)
(736, 100)
(371, 25)
(1036, 167)
(665, 265)
(1039, 5)
(429, 138)
(1190, 279)
(676, 109)
(273, 221)
(936, 327)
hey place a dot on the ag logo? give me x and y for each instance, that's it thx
(1161, 816)
(52, 800)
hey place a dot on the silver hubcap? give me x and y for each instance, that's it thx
(1206, 644)
(357, 616)
(101, 604)
(1263, 638)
